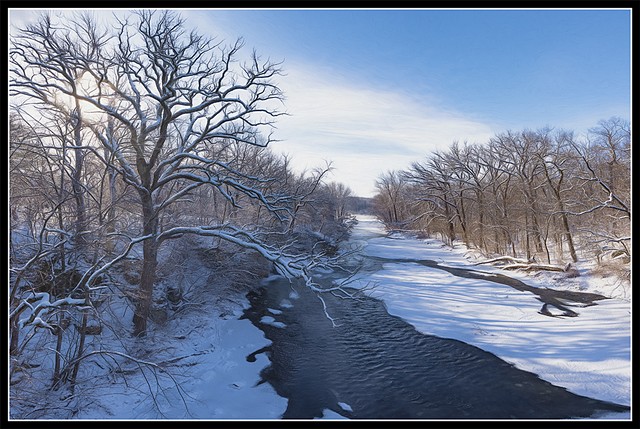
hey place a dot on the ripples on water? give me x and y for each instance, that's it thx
(385, 369)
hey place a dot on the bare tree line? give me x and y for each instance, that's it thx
(125, 138)
(544, 195)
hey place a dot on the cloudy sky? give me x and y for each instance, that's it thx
(372, 90)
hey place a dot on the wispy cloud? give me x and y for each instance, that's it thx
(365, 130)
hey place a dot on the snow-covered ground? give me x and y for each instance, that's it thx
(589, 355)
(201, 364)
(208, 376)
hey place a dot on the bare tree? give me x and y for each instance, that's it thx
(556, 165)
(389, 201)
(605, 186)
(433, 196)
(339, 193)
(499, 187)
(161, 100)
(524, 192)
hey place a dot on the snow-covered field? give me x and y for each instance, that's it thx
(209, 377)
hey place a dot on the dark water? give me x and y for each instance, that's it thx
(385, 369)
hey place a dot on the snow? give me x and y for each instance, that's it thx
(345, 406)
(332, 415)
(589, 355)
(216, 380)
(268, 320)
(213, 359)
(285, 303)
(293, 295)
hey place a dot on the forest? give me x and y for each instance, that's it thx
(131, 149)
(540, 199)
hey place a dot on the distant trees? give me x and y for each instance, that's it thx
(543, 195)
(339, 194)
(390, 202)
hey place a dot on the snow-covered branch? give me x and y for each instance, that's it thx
(39, 303)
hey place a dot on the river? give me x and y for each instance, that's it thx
(377, 366)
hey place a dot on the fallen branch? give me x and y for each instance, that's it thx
(541, 267)
(176, 359)
(504, 259)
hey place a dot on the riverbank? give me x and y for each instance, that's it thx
(203, 372)
(589, 354)
(191, 366)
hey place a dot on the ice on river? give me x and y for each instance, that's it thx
(268, 320)
(345, 406)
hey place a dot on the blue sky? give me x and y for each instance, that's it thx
(502, 66)
(374, 90)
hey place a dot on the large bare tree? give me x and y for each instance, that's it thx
(154, 101)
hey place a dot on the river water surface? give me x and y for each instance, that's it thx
(377, 366)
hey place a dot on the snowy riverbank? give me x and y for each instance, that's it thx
(207, 376)
(589, 354)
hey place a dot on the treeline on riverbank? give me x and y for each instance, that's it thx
(545, 196)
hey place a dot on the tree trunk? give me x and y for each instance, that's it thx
(567, 234)
(527, 234)
(463, 222)
(451, 227)
(481, 240)
(149, 264)
(56, 369)
(556, 189)
(111, 211)
(80, 350)
(14, 337)
(76, 183)
(63, 256)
